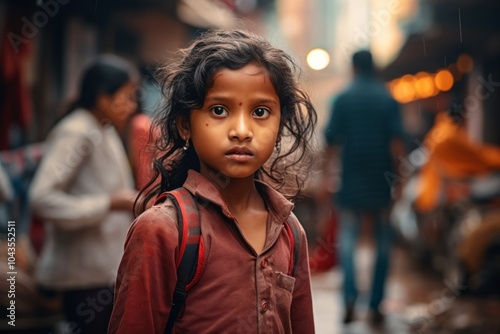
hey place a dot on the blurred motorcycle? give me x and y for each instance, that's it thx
(475, 240)
(460, 239)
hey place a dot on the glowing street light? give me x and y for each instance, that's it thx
(444, 80)
(318, 59)
(424, 85)
(465, 63)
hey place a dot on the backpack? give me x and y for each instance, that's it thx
(192, 249)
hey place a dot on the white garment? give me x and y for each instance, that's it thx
(84, 163)
(6, 191)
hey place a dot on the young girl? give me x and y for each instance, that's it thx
(231, 102)
(83, 190)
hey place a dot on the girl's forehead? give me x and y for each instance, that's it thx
(250, 66)
(250, 69)
(251, 81)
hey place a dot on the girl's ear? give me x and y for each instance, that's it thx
(183, 127)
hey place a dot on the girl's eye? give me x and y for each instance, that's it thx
(219, 111)
(261, 113)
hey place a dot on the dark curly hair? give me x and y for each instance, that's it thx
(184, 85)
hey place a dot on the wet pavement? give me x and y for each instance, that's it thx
(417, 301)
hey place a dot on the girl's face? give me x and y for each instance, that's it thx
(235, 131)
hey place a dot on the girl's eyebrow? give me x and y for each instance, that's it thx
(215, 98)
(266, 101)
(257, 101)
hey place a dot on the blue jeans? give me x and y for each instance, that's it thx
(350, 222)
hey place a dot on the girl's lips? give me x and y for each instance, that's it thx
(239, 157)
(240, 154)
(239, 150)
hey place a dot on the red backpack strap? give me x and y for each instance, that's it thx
(191, 249)
(292, 229)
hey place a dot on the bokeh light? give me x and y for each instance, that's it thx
(444, 80)
(403, 90)
(424, 85)
(318, 59)
(465, 63)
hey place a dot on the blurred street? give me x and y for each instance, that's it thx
(407, 97)
(417, 301)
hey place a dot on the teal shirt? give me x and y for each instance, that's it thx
(364, 119)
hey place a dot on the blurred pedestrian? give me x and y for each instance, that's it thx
(365, 124)
(83, 191)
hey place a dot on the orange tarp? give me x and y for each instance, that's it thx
(452, 155)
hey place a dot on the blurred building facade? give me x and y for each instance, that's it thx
(450, 61)
(433, 54)
(45, 44)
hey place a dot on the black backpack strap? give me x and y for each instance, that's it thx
(191, 250)
(292, 228)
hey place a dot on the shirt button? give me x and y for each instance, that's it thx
(265, 306)
(263, 263)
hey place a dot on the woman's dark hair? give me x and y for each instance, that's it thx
(105, 75)
(184, 86)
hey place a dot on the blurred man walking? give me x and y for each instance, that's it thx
(365, 124)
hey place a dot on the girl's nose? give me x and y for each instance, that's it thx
(241, 128)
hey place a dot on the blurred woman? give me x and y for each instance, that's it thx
(83, 191)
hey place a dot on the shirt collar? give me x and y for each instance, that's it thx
(200, 186)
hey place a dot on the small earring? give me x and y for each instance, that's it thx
(186, 145)
(278, 145)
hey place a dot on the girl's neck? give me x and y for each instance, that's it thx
(240, 195)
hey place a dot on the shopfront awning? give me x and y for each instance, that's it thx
(458, 26)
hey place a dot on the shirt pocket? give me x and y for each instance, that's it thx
(285, 282)
(284, 294)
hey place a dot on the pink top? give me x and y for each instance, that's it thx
(141, 149)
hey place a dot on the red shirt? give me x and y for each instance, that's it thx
(239, 291)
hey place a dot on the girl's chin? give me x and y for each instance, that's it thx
(223, 177)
